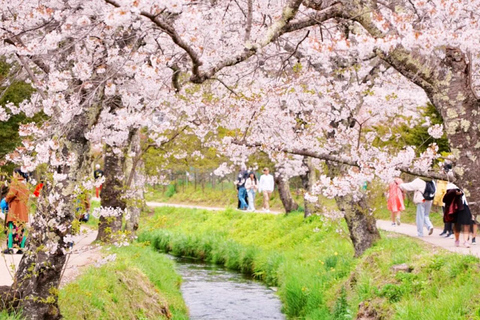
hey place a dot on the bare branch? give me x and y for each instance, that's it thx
(346, 161)
(248, 29)
(146, 148)
(167, 28)
(227, 87)
(175, 77)
(31, 74)
(296, 47)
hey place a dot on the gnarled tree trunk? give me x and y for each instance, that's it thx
(113, 193)
(36, 282)
(285, 195)
(359, 217)
(135, 184)
(448, 84)
(360, 221)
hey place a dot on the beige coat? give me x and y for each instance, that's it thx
(17, 199)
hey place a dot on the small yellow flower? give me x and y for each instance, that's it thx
(336, 253)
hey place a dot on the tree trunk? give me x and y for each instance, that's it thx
(359, 217)
(308, 180)
(448, 85)
(136, 185)
(113, 194)
(360, 221)
(38, 276)
(285, 195)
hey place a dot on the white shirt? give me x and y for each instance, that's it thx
(418, 186)
(266, 183)
(251, 184)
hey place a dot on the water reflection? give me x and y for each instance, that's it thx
(214, 293)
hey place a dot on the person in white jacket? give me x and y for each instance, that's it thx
(423, 206)
(266, 187)
(251, 185)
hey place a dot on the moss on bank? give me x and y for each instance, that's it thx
(140, 284)
(311, 261)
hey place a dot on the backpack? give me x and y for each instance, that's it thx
(430, 190)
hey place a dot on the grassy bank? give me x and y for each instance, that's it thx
(139, 284)
(226, 197)
(311, 262)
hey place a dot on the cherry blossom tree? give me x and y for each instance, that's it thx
(307, 78)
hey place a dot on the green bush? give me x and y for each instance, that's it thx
(171, 190)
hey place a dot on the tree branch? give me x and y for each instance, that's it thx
(346, 161)
(248, 29)
(168, 29)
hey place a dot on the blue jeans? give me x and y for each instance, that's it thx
(423, 211)
(251, 199)
(241, 197)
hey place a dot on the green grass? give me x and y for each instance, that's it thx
(209, 197)
(140, 284)
(4, 315)
(311, 262)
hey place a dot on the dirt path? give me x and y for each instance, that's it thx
(405, 229)
(82, 254)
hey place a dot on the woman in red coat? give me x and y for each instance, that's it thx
(395, 200)
(17, 217)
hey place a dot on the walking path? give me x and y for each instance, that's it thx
(83, 254)
(404, 228)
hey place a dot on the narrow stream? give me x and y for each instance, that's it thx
(214, 293)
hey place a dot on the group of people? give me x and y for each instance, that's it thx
(248, 185)
(457, 216)
(14, 207)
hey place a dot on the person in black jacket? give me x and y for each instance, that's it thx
(456, 210)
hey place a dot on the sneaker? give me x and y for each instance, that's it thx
(473, 241)
(450, 236)
(19, 252)
(443, 234)
(457, 243)
(8, 251)
(398, 221)
(466, 244)
(393, 224)
(430, 231)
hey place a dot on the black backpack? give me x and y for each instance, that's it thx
(430, 190)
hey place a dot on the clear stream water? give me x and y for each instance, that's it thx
(214, 293)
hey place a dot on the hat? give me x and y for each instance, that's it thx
(265, 169)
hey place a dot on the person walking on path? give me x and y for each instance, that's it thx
(438, 201)
(97, 174)
(423, 205)
(17, 216)
(251, 185)
(266, 186)
(456, 210)
(240, 182)
(395, 200)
